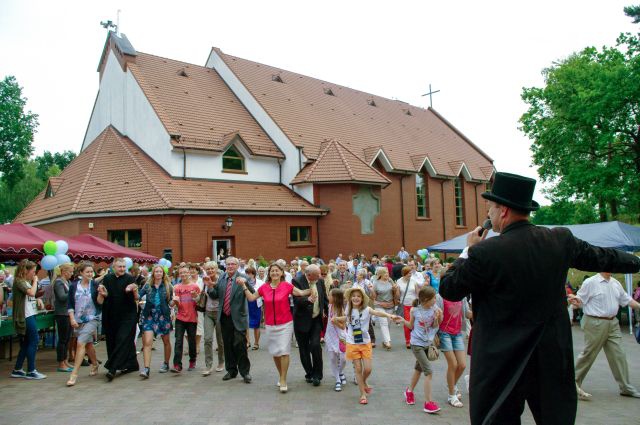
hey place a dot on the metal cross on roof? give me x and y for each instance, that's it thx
(431, 92)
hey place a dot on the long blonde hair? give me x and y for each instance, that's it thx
(337, 301)
(165, 280)
(23, 268)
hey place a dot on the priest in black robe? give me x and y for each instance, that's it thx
(119, 312)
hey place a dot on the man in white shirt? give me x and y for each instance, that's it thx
(416, 276)
(403, 254)
(600, 297)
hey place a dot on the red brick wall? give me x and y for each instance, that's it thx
(340, 229)
(252, 235)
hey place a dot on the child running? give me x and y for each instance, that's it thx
(335, 338)
(424, 319)
(357, 317)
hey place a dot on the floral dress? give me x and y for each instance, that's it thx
(156, 321)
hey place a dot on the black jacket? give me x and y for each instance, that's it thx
(303, 309)
(520, 318)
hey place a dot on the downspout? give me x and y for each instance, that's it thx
(184, 213)
(444, 227)
(402, 208)
(318, 235)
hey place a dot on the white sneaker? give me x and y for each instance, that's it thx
(207, 371)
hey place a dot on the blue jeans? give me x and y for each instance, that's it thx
(28, 345)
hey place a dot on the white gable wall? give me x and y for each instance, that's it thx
(293, 159)
(122, 103)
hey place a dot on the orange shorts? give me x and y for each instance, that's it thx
(358, 351)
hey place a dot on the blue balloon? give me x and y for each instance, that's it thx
(163, 262)
(167, 263)
(49, 262)
(62, 247)
(128, 262)
(62, 258)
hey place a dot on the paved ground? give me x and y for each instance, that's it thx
(192, 399)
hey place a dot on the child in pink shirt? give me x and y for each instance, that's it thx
(185, 296)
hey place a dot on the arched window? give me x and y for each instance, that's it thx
(232, 160)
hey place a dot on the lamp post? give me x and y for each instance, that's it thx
(228, 223)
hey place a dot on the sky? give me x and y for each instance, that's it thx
(478, 54)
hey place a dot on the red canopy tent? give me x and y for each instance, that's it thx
(18, 241)
(119, 250)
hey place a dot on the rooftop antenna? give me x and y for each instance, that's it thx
(431, 92)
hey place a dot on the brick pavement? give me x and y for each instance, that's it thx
(192, 399)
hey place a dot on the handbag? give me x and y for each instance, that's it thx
(399, 310)
(433, 353)
(201, 305)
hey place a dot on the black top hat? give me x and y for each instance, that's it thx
(513, 191)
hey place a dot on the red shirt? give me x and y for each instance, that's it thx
(187, 307)
(276, 303)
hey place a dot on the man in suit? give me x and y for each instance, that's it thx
(233, 318)
(307, 322)
(342, 275)
(522, 345)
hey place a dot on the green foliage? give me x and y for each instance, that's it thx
(49, 164)
(262, 262)
(633, 12)
(566, 212)
(16, 132)
(585, 128)
(15, 199)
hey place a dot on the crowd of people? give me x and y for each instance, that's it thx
(327, 309)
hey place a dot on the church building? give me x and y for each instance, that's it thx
(183, 160)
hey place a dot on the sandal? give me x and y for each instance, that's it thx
(94, 370)
(363, 400)
(255, 347)
(368, 390)
(453, 400)
(72, 380)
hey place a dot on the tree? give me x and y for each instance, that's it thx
(49, 164)
(15, 199)
(16, 131)
(585, 127)
(633, 12)
(565, 212)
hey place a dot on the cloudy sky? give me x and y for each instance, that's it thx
(478, 54)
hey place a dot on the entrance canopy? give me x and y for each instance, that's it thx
(610, 234)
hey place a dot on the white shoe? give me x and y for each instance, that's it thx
(454, 401)
(582, 395)
(207, 371)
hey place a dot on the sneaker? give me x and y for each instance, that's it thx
(431, 407)
(164, 368)
(343, 379)
(35, 375)
(338, 387)
(409, 397)
(192, 366)
(207, 371)
(18, 373)
(176, 368)
(145, 373)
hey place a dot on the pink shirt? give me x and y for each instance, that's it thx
(451, 317)
(276, 303)
(187, 307)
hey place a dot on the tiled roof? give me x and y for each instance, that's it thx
(310, 111)
(194, 102)
(336, 163)
(114, 175)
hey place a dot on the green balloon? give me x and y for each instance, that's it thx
(50, 248)
(166, 270)
(2, 266)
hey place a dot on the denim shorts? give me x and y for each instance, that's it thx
(450, 342)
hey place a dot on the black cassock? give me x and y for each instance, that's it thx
(522, 346)
(119, 313)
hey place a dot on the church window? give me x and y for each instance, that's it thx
(459, 195)
(232, 160)
(422, 196)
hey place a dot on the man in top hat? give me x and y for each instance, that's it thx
(522, 345)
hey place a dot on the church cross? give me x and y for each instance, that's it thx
(431, 92)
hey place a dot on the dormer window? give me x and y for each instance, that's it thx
(232, 160)
(49, 192)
